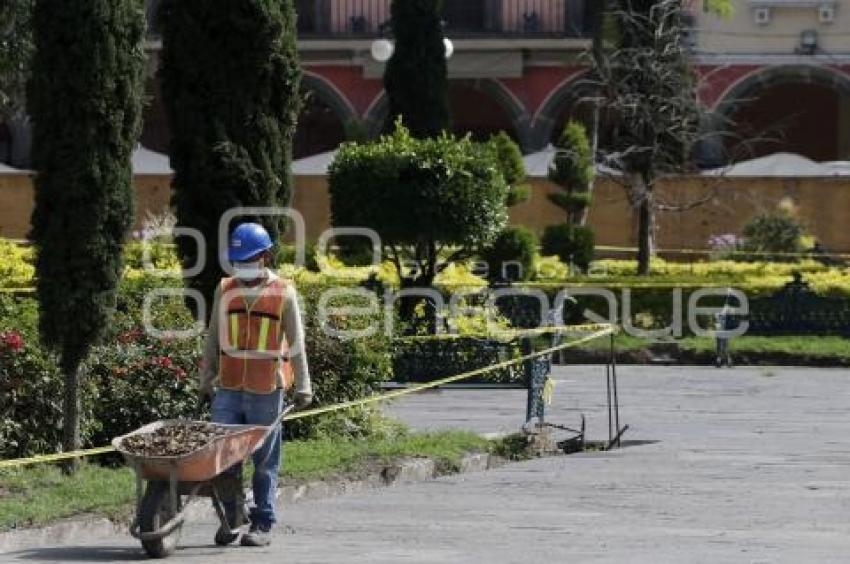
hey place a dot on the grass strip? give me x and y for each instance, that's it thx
(38, 495)
(804, 345)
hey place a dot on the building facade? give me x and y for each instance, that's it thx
(775, 75)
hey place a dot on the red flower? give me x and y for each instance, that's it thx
(130, 336)
(11, 340)
(179, 373)
(163, 361)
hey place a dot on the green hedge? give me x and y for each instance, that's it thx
(133, 379)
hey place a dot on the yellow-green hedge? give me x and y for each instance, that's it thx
(17, 271)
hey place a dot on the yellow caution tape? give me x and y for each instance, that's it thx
(609, 330)
(606, 330)
(55, 457)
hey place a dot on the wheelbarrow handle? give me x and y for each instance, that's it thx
(288, 407)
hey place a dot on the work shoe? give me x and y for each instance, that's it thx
(257, 536)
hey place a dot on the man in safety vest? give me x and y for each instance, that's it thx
(254, 353)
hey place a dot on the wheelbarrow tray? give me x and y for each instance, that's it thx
(199, 465)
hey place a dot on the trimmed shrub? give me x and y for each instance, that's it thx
(341, 368)
(231, 84)
(572, 244)
(507, 157)
(572, 170)
(773, 232)
(85, 100)
(511, 256)
(420, 196)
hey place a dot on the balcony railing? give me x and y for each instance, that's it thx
(463, 18)
(346, 19)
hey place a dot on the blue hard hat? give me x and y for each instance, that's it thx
(247, 241)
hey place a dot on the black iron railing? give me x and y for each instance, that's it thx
(463, 18)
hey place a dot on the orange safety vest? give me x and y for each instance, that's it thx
(253, 350)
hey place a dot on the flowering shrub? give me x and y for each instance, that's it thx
(31, 388)
(141, 379)
(725, 245)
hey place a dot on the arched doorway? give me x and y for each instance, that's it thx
(323, 118)
(478, 107)
(319, 127)
(484, 108)
(803, 110)
(572, 101)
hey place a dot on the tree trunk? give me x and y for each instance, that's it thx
(21, 132)
(594, 147)
(71, 414)
(407, 304)
(645, 220)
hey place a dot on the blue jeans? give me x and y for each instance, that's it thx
(234, 407)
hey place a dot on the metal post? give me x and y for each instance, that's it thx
(608, 387)
(526, 349)
(614, 382)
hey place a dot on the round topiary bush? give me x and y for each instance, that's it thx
(773, 232)
(572, 244)
(511, 256)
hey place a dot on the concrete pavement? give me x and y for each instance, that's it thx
(750, 465)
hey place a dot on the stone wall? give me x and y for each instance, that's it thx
(823, 204)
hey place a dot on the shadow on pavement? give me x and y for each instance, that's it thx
(106, 553)
(81, 554)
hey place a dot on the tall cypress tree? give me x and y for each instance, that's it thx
(230, 80)
(85, 101)
(416, 77)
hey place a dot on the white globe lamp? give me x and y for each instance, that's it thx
(450, 47)
(382, 50)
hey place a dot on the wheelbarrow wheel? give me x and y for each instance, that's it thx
(154, 512)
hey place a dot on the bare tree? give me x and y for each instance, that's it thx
(648, 93)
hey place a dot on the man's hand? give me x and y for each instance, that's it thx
(302, 400)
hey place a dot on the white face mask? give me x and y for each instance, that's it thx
(247, 271)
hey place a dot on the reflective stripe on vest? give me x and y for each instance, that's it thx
(264, 334)
(234, 330)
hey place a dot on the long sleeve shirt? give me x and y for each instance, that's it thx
(292, 328)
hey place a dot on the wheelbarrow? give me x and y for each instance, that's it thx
(173, 482)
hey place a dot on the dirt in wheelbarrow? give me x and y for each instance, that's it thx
(174, 440)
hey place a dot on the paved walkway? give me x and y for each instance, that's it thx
(751, 465)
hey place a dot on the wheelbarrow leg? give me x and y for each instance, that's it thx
(160, 518)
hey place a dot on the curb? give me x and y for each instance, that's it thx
(403, 471)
